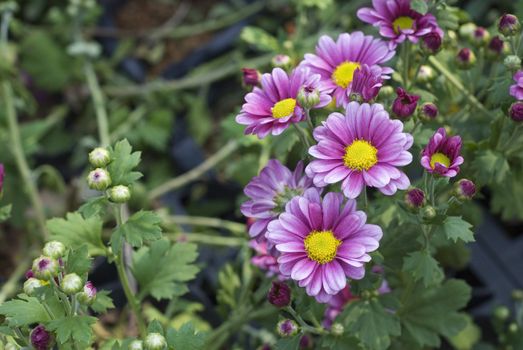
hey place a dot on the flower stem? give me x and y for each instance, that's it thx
(205, 221)
(99, 104)
(124, 279)
(303, 137)
(208, 239)
(405, 56)
(304, 325)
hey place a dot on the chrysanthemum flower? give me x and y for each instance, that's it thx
(337, 62)
(398, 22)
(516, 90)
(367, 82)
(442, 155)
(322, 242)
(364, 147)
(270, 191)
(271, 109)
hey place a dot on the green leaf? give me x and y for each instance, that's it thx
(78, 261)
(260, 39)
(428, 313)
(102, 302)
(185, 338)
(76, 328)
(94, 207)
(141, 226)
(24, 311)
(454, 228)
(490, 166)
(371, 323)
(423, 267)
(343, 342)
(289, 343)
(160, 268)
(75, 231)
(5, 212)
(419, 6)
(124, 161)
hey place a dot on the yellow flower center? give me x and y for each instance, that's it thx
(283, 108)
(439, 158)
(344, 73)
(360, 155)
(402, 22)
(321, 246)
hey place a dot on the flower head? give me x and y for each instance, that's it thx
(251, 77)
(428, 111)
(155, 341)
(508, 24)
(398, 22)
(512, 62)
(88, 295)
(337, 61)
(270, 191)
(99, 157)
(431, 43)
(366, 83)
(405, 104)
(496, 46)
(41, 339)
(465, 58)
(465, 189)
(481, 36)
(280, 294)
(516, 111)
(364, 147)
(99, 179)
(322, 242)
(45, 267)
(516, 90)
(71, 283)
(119, 194)
(271, 109)
(442, 155)
(54, 249)
(287, 328)
(415, 198)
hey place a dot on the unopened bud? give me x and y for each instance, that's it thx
(428, 212)
(337, 329)
(515, 111)
(481, 37)
(428, 111)
(415, 198)
(99, 179)
(32, 284)
(495, 48)
(465, 58)
(465, 189)
(501, 313)
(54, 249)
(425, 74)
(136, 345)
(119, 194)
(431, 43)
(466, 31)
(41, 339)
(71, 283)
(45, 268)
(251, 77)
(99, 157)
(281, 61)
(512, 62)
(509, 25)
(88, 295)
(287, 328)
(280, 294)
(307, 97)
(155, 341)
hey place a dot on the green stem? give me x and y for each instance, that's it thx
(310, 124)
(304, 325)
(99, 104)
(208, 239)
(124, 279)
(303, 137)
(405, 56)
(206, 221)
(365, 198)
(432, 195)
(197, 172)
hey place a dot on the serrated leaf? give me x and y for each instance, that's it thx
(160, 268)
(429, 313)
(423, 267)
(76, 328)
(371, 323)
(102, 302)
(24, 311)
(78, 261)
(185, 338)
(260, 39)
(123, 163)
(94, 207)
(490, 166)
(289, 343)
(75, 231)
(454, 228)
(342, 342)
(141, 226)
(419, 6)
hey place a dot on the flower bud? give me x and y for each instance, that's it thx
(337, 329)
(431, 43)
(280, 294)
(428, 111)
(45, 268)
(99, 179)
(281, 61)
(31, 285)
(119, 194)
(513, 327)
(516, 111)
(251, 77)
(308, 97)
(481, 36)
(136, 345)
(405, 104)
(465, 189)
(71, 283)
(495, 47)
(465, 58)
(88, 295)
(2, 174)
(41, 339)
(425, 74)
(415, 198)
(512, 62)
(29, 273)
(155, 341)
(306, 342)
(287, 328)
(386, 91)
(428, 212)
(508, 25)
(466, 31)
(501, 313)
(54, 249)
(451, 39)
(99, 157)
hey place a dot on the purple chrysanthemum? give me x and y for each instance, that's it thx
(516, 90)
(270, 191)
(442, 154)
(367, 82)
(337, 62)
(398, 22)
(271, 109)
(364, 147)
(322, 242)
(405, 104)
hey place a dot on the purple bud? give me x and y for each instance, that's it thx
(481, 36)
(287, 328)
(306, 342)
(508, 24)
(465, 58)
(45, 268)
(251, 77)
(40, 338)
(280, 294)
(415, 198)
(496, 45)
(516, 111)
(404, 105)
(428, 111)
(88, 294)
(431, 43)
(29, 274)
(465, 189)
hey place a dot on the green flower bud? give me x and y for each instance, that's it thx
(155, 341)
(54, 249)
(466, 31)
(88, 295)
(71, 283)
(281, 61)
(386, 91)
(512, 62)
(99, 179)
(32, 284)
(99, 157)
(337, 329)
(425, 74)
(119, 194)
(513, 328)
(501, 313)
(136, 345)
(428, 212)
(45, 268)
(308, 98)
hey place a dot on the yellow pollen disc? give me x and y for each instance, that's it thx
(360, 155)
(403, 22)
(344, 73)
(283, 108)
(321, 246)
(439, 158)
